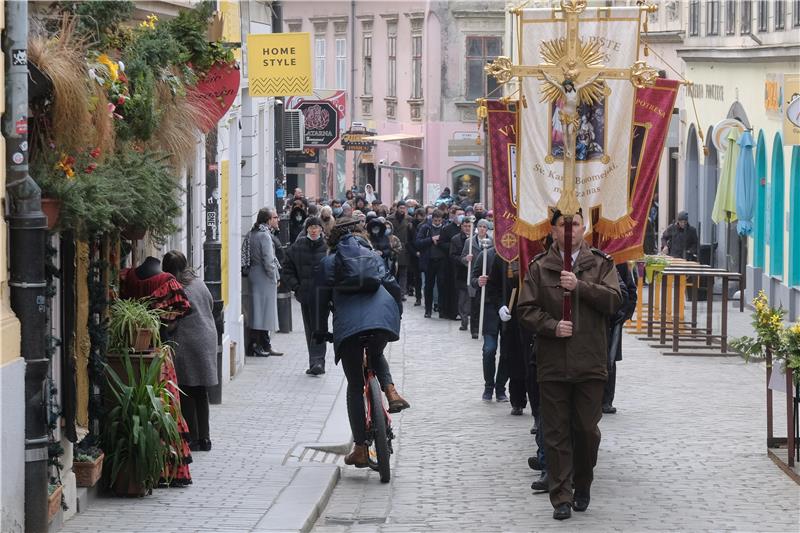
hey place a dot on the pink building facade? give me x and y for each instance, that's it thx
(411, 72)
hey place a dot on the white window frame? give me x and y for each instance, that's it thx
(391, 65)
(341, 63)
(416, 66)
(366, 58)
(319, 62)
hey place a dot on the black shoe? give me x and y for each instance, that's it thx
(533, 463)
(474, 335)
(417, 303)
(516, 411)
(258, 351)
(200, 445)
(427, 315)
(580, 501)
(562, 511)
(609, 409)
(462, 328)
(534, 429)
(541, 484)
(270, 351)
(316, 370)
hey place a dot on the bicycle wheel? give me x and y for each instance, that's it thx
(381, 440)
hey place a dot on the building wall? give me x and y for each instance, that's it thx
(730, 73)
(12, 372)
(440, 115)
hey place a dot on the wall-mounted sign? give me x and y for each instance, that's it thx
(322, 123)
(791, 115)
(308, 155)
(279, 64)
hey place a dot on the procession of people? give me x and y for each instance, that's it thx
(443, 256)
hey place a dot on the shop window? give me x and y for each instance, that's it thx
(777, 211)
(466, 185)
(760, 222)
(794, 224)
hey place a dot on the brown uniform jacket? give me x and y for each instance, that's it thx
(581, 357)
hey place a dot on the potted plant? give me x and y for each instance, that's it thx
(140, 433)
(87, 465)
(134, 326)
(54, 493)
(654, 264)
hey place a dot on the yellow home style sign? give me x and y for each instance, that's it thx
(279, 64)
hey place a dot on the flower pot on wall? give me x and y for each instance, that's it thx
(87, 473)
(54, 503)
(52, 210)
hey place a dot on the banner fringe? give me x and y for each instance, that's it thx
(615, 229)
(532, 232)
(630, 254)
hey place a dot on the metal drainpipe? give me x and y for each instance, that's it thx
(212, 255)
(27, 226)
(280, 153)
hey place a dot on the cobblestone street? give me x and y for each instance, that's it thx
(686, 450)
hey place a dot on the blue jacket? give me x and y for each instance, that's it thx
(355, 313)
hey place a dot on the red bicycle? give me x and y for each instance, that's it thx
(378, 421)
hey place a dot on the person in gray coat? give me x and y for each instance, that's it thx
(195, 344)
(263, 276)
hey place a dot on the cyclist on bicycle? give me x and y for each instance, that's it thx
(367, 318)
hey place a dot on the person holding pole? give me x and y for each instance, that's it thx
(487, 277)
(460, 268)
(469, 256)
(571, 356)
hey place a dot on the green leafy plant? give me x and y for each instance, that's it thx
(768, 325)
(140, 433)
(127, 317)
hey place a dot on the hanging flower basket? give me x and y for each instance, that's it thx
(87, 473)
(52, 210)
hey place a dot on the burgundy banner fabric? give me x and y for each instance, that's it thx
(502, 132)
(650, 126)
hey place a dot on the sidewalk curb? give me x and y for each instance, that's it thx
(336, 436)
(301, 502)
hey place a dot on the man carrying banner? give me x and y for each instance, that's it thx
(571, 357)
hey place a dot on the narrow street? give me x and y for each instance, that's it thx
(686, 450)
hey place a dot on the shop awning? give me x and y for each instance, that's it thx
(396, 137)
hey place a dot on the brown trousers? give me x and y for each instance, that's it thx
(570, 413)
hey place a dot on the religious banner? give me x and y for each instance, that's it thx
(652, 113)
(596, 93)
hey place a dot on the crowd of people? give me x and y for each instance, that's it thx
(442, 255)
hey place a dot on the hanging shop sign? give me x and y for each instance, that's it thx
(791, 115)
(279, 64)
(322, 123)
(358, 139)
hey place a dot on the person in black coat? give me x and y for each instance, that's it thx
(448, 297)
(459, 266)
(495, 373)
(414, 270)
(433, 258)
(297, 219)
(299, 270)
(376, 229)
(629, 297)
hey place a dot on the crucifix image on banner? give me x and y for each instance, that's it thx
(578, 73)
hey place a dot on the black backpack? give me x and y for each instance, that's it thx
(357, 268)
